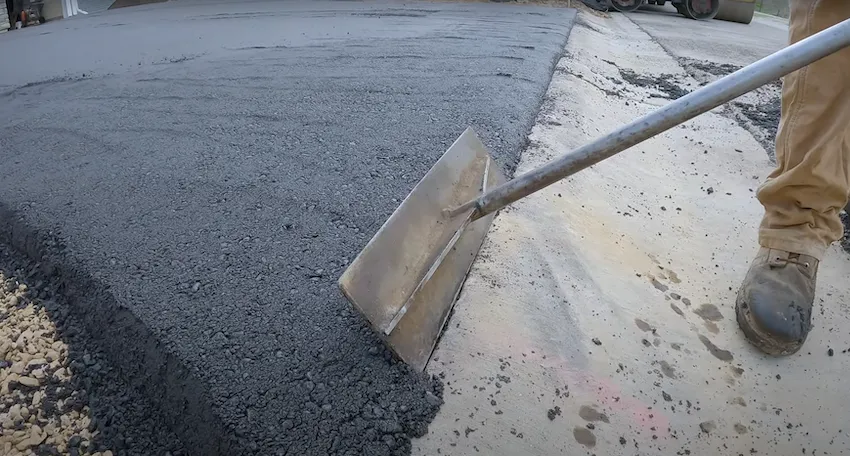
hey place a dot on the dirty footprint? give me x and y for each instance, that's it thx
(719, 353)
(668, 370)
(584, 436)
(589, 413)
(709, 312)
(642, 325)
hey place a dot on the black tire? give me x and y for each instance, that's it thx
(701, 10)
(736, 11)
(625, 6)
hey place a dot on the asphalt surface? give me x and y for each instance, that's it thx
(197, 176)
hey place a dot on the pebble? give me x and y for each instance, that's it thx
(74, 441)
(30, 346)
(28, 381)
(15, 412)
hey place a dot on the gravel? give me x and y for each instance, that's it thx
(187, 188)
(58, 393)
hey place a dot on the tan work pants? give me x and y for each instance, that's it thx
(804, 194)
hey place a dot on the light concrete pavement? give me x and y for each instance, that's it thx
(716, 41)
(599, 317)
(711, 49)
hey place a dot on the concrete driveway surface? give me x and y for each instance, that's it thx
(198, 174)
(599, 318)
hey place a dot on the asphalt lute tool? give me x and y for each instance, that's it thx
(407, 278)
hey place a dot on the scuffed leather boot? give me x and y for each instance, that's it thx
(774, 305)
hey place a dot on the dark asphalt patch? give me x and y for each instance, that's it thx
(760, 118)
(198, 212)
(764, 116)
(664, 83)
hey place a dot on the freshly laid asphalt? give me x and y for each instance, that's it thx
(199, 174)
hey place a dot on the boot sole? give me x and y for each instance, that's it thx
(760, 338)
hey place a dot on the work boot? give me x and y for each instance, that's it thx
(774, 305)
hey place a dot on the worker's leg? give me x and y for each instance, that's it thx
(803, 195)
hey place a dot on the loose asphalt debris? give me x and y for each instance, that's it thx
(845, 241)
(665, 83)
(757, 112)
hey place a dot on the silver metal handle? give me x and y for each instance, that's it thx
(695, 103)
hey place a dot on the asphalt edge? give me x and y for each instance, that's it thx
(525, 143)
(179, 398)
(541, 96)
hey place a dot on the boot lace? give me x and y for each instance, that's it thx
(794, 258)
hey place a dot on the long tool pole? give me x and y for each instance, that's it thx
(755, 75)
